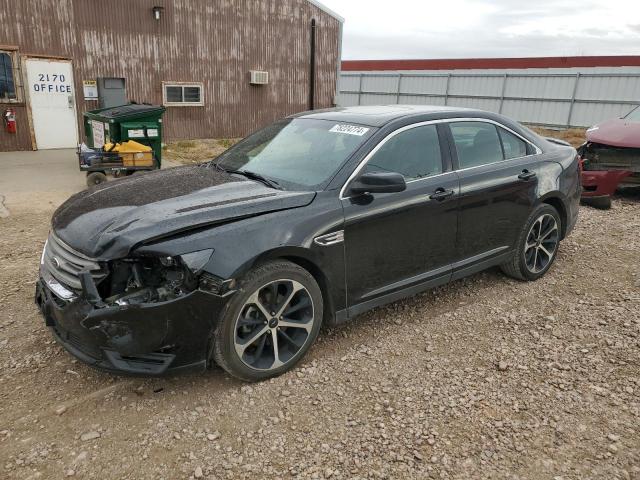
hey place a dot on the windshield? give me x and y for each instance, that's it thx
(298, 154)
(634, 115)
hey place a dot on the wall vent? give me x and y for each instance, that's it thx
(258, 77)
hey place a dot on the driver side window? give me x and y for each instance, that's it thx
(414, 153)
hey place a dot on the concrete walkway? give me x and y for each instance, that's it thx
(40, 180)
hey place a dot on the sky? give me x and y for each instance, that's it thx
(394, 29)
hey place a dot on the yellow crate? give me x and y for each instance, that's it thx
(137, 159)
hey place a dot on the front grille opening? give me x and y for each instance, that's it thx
(65, 264)
(151, 361)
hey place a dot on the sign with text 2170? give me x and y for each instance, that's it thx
(51, 83)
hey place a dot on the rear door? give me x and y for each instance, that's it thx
(498, 189)
(403, 240)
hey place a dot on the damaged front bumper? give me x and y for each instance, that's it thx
(146, 339)
(602, 183)
(606, 167)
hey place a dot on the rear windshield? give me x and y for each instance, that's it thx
(299, 154)
(634, 115)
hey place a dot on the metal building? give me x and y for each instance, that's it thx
(552, 91)
(59, 58)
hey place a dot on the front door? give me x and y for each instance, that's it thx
(52, 101)
(398, 241)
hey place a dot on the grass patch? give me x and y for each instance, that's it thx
(228, 142)
(189, 152)
(186, 144)
(575, 136)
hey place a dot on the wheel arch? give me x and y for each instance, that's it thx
(304, 259)
(555, 200)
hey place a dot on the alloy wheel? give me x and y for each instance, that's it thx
(274, 324)
(542, 243)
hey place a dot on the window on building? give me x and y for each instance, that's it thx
(183, 94)
(7, 83)
(477, 143)
(415, 153)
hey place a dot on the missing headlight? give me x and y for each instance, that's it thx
(149, 279)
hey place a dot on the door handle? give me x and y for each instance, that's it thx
(441, 194)
(526, 175)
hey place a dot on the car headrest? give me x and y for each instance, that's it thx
(483, 138)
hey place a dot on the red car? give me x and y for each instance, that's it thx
(611, 158)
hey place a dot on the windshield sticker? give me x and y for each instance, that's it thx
(349, 130)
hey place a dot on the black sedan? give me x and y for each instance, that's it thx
(309, 221)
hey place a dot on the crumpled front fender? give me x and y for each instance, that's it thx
(176, 332)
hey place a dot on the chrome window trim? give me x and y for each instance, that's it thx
(364, 161)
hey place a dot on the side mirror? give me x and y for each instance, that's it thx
(379, 182)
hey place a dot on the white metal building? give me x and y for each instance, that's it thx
(552, 91)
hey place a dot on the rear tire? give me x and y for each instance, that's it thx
(270, 323)
(96, 178)
(601, 203)
(537, 245)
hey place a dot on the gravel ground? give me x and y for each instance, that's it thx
(484, 378)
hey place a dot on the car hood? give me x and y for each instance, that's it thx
(618, 132)
(107, 221)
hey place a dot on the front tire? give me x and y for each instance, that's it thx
(537, 245)
(270, 323)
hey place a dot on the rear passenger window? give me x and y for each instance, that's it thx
(415, 153)
(477, 143)
(513, 146)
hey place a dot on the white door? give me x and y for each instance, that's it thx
(52, 101)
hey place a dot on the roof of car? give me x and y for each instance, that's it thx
(379, 115)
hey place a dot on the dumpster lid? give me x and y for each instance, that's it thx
(129, 110)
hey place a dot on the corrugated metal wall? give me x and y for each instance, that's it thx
(575, 98)
(213, 42)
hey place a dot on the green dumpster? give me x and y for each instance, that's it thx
(142, 123)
